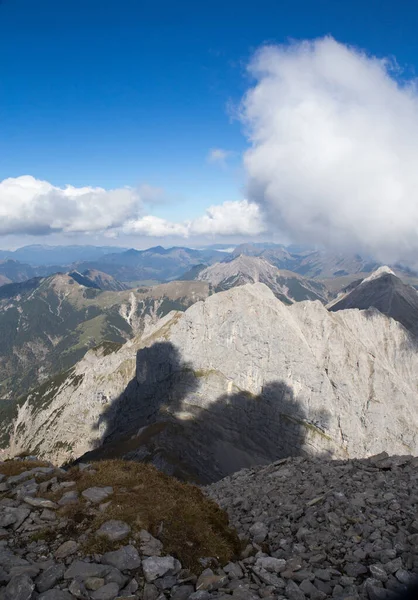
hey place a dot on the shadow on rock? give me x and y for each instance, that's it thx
(166, 416)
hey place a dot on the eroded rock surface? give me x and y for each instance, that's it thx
(238, 380)
(311, 529)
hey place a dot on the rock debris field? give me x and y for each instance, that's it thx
(309, 528)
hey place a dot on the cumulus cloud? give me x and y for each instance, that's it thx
(28, 205)
(31, 206)
(228, 219)
(219, 156)
(334, 147)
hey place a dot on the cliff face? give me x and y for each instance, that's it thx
(289, 287)
(237, 380)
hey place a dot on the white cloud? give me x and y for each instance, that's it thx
(219, 156)
(33, 207)
(230, 218)
(155, 227)
(334, 147)
(227, 219)
(28, 205)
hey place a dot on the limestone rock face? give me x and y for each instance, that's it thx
(237, 380)
(286, 285)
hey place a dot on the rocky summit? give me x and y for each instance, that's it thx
(308, 529)
(237, 380)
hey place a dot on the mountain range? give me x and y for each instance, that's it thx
(47, 324)
(239, 378)
(158, 264)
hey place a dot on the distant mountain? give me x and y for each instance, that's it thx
(47, 324)
(287, 286)
(38, 254)
(158, 263)
(103, 281)
(386, 292)
(14, 271)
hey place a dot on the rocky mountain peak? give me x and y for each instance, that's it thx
(384, 291)
(238, 379)
(384, 270)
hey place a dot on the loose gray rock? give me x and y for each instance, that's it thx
(40, 502)
(97, 494)
(20, 587)
(68, 498)
(50, 577)
(66, 549)
(114, 530)
(126, 558)
(82, 570)
(149, 545)
(107, 592)
(56, 595)
(157, 566)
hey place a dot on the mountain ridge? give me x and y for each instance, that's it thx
(236, 380)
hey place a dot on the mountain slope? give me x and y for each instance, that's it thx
(386, 292)
(237, 380)
(156, 263)
(46, 325)
(101, 280)
(286, 286)
(15, 271)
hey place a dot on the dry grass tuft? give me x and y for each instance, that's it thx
(189, 525)
(16, 467)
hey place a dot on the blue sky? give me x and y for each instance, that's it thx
(121, 93)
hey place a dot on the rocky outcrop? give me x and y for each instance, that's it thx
(48, 324)
(310, 529)
(386, 292)
(340, 529)
(287, 286)
(237, 380)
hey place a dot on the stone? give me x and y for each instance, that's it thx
(94, 583)
(19, 587)
(258, 532)
(273, 565)
(48, 515)
(293, 591)
(83, 570)
(157, 566)
(355, 569)
(97, 494)
(209, 581)
(56, 595)
(7, 519)
(66, 549)
(126, 558)
(150, 592)
(149, 545)
(378, 572)
(31, 570)
(107, 592)
(78, 589)
(67, 498)
(182, 593)
(8, 559)
(40, 502)
(234, 570)
(404, 577)
(50, 577)
(114, 530)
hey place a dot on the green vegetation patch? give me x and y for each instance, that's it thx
(190, 525)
